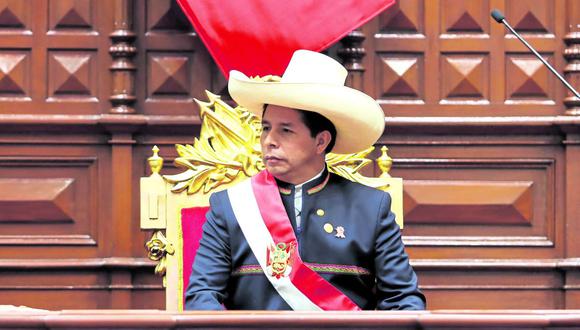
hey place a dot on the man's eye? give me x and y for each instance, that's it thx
(265, 128)
(286, 130)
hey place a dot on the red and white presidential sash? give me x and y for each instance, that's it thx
(260, 213)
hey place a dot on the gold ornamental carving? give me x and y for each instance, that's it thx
(158, 247)
(228, 151)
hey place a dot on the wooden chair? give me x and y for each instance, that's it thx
(226, 153)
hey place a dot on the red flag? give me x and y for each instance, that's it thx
(258, 37)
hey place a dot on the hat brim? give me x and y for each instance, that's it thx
(358, 118)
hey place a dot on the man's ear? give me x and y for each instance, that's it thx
(322, 140)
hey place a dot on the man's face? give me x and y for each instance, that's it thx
(289, 151)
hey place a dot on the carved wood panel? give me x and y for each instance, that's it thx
(71, 15)
(52, 203)
(480, 202)
(53, 56)
(178, 67)
(15, 75)
(449, 58)
(45, 208)
(469, 192)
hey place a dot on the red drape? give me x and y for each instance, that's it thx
(258, 37)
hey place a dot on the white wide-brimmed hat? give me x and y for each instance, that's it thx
(315, 82)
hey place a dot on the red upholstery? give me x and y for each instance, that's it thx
(192, 220)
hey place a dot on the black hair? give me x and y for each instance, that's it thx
(316, 123)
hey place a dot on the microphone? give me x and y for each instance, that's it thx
(498, 17)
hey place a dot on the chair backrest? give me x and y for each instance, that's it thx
(226, 153)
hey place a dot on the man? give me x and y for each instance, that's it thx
(295, 236)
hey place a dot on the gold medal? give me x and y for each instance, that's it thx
(328, 228)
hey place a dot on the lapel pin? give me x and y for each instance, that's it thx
(340, 232)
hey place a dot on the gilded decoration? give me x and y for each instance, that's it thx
(228, 150)
(158, 247)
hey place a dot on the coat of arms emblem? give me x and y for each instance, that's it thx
(278, 256)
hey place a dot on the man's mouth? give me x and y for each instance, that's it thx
(272, 159)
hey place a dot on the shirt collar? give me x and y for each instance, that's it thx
(311, 186)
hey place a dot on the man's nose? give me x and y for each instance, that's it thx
(270, 139)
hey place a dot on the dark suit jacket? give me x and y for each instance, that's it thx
(369, 265)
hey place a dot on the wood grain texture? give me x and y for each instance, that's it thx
(458, 319)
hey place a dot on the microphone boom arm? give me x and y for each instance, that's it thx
(500, 19)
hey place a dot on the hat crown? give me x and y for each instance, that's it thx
(311, 67)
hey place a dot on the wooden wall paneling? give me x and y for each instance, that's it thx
(121, 123)
(486, 201)
(15, 75)
(147, 290)
(52, 63)
(525, 169)
(458, 55)
(573, 216)
(55, 207)
(77, 56)
(16, 16)
(176, 67)
(529, 85)
(124, 221)
(72, 75)
(351, 54)
(401, 77)
(395, 61)
(464, 78)
(469, 17)
(492, 284)
(531, 16)
(572, 55)
(572, 288)
(52, 198)
(55, 195)
(123, 50)
(83, 283)
(15, 54)
(464, 59)
(572, 74)
(55, 289)
(123, 120)
(528, 79)
(448, 59)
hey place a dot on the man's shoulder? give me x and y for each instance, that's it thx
(223, 193)
(219, 194)
(356, 187)
(218, 198)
